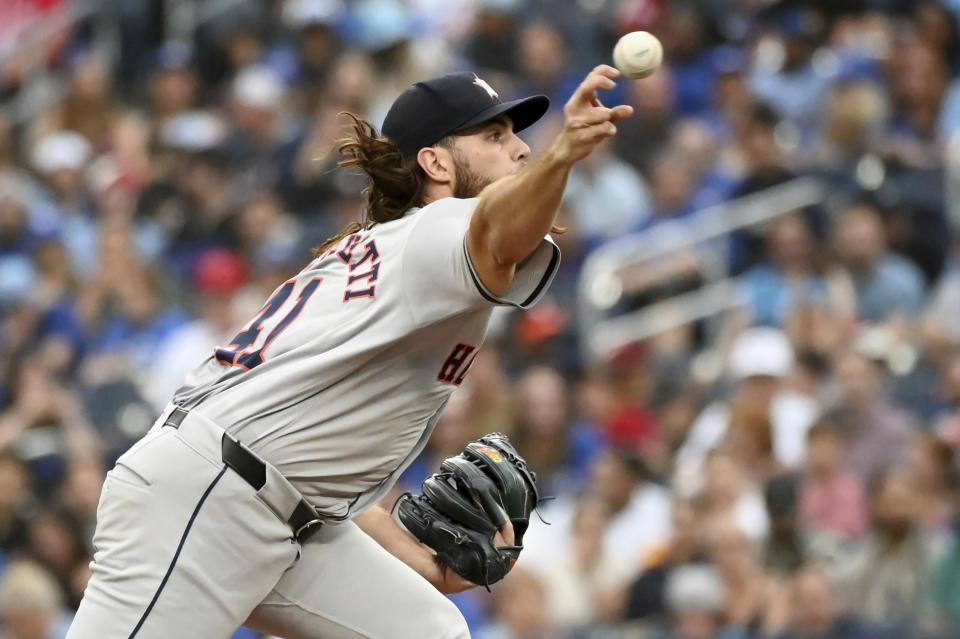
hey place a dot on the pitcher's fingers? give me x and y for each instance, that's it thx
(621, 112)
(508, 535)
(594, 115)
(453, 582)
(587, 91)
(607, 70)
(600, 71)
(598, 132)
(606, 130)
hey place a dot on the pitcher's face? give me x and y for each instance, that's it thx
(485, 154)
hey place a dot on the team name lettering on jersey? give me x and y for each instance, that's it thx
(456, 365)
(370, 260)
(346, 253)
(355, 251)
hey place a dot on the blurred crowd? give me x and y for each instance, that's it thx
(785, 469)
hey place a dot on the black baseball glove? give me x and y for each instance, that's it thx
(463, 506)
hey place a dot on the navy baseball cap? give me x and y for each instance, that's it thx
(431, 110)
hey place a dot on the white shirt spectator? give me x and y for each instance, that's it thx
(632, 535)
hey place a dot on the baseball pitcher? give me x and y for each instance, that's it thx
(252, 500)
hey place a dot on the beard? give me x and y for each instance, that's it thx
(468, 183)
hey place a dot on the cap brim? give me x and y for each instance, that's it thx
(522, 112)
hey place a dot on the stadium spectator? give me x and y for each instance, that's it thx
(520, 610)
(787, 546)
(560, 449)
(815, 612)
(784, 73)
(885, 581)
(876, 432)
(173, 84)
(16, 500)
(886, 284)
(760, 358)
(929, 468)
(89, 108)
(646, 595)
(791, 277)
(582, 587)
(730, 495)
(30, 604)
(944, 587)
(606, 183)
(639, 511)
(695, 595)
(748, 590)
(832, 498)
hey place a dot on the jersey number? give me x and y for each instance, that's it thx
(241, 352)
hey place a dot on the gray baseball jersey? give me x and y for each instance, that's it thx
(339, 379)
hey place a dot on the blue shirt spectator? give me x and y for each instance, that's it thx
(793, 85)
(885, 284)
(894, 285)
(771, 295)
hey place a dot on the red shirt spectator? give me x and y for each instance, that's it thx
(831, 498)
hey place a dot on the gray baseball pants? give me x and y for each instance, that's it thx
(186, 548)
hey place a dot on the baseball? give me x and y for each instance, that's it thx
(638, 54)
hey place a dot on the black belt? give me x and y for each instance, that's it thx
(304, 521)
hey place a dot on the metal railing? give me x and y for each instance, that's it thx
(600, 287)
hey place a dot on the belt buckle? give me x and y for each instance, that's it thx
(308, 530)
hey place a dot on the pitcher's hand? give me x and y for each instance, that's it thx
(587, 121)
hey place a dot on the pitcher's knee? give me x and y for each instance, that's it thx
(444, 621)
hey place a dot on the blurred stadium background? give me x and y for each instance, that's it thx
(742, 390)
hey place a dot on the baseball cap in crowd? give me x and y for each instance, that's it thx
(431, 110)
(62, 150)
(260, 87)
(298, 14)
(173, 55)
(193, 131)
(694, 588)
(220, 271)
(376, 25)
(17, 279)
(760, 350)
(803, 24)
(728, 59)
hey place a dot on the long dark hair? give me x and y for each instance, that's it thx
(396, 183)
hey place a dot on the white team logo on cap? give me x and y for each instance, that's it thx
(486, 87)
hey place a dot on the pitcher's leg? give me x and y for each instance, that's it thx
(183, 549)
(346, 586)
